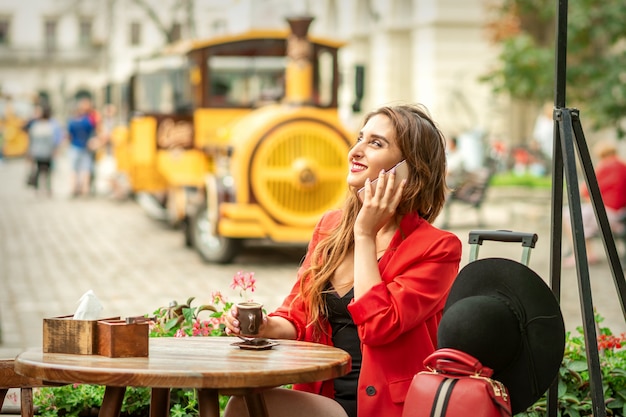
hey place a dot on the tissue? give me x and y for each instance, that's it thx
(89, 307)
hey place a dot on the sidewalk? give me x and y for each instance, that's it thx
(55, 249)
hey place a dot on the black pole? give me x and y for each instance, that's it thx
(564, 162)
(556, 219)
(561, 54)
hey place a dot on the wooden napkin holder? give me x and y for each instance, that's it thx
(63, 334)
(119, 339)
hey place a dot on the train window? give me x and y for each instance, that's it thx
(164, 91)
(325, 75)
(246, 81)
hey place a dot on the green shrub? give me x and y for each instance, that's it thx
(82, 399)
(574, 393)
(67, 400)
(508, 179)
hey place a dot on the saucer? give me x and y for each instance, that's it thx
(252, 344)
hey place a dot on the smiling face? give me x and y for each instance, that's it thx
(375, 149)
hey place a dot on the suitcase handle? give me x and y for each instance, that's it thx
(528, 240)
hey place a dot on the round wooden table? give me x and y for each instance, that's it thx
(208, 364)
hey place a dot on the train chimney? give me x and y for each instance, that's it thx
(299, 71)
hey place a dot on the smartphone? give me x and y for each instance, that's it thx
(402, 172)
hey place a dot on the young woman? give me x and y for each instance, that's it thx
(376, 274)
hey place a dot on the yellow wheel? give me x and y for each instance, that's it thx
(299, 171)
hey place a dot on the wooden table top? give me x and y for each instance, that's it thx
(193, 362)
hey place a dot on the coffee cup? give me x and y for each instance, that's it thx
(250, 318)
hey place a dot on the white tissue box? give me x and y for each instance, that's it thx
(63, 334)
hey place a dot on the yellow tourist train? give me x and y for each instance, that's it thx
(238, 138)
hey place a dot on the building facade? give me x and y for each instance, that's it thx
(426, 51)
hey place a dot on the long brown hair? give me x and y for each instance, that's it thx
(423, 147)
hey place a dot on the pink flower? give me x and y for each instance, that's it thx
(202, 328)
(218, 297)
(243, 281)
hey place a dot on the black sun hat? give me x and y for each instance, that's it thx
(503, 313)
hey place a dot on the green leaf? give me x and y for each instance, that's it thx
(562, 388)
(173, 323)
(188, 314)
(618, 372)
(570, 399)
(578, 366)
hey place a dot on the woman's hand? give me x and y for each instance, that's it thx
(379, 207)
(379, 204)
(276, 328)
(232, 324)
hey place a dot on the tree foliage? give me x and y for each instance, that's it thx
(596, 55)
(168, 28)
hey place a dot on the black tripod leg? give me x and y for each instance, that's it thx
(580, 252)
(556, 222)
(600, 210)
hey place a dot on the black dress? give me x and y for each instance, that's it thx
(346, 337)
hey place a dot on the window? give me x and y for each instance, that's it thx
(402, 12)
(244, 81)
(50, 33)
(325, 77)
(161, 85)
(84, 33)
(175, 32)
(135, 33)
(4, 31)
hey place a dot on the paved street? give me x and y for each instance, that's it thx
(52, 250)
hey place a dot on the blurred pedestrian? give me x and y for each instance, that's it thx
(455, 164)
(107, 124)
(32, 169)
(105, 164)
(45, 135)
(611, 176)
(543, 131)
(81, 129)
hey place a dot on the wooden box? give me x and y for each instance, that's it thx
(118, 339)
(63, 334)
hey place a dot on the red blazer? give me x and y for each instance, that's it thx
(397, 319)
